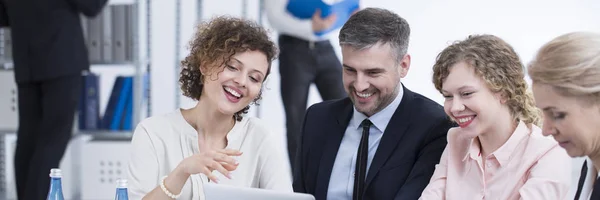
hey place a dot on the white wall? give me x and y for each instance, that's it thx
(526, 25)
(434, 24)
(162, 57)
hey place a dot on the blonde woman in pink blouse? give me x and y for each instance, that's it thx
(498, 151)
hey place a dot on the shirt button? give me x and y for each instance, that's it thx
(489, 165)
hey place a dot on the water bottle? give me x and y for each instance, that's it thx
(55, 192)
(121, 190)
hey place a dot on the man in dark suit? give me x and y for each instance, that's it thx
(383, 141)
(49, 55)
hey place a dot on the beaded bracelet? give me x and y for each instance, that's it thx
(164, 189)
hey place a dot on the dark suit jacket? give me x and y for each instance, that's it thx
(47, 36)
(411, 146)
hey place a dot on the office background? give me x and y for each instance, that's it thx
(161, 30)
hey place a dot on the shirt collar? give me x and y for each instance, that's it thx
(380, 119)
(504, 153)
(234, 136)
(473, 152)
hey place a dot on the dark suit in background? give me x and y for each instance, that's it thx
(49, 55)
(304, 59)
(411, 146)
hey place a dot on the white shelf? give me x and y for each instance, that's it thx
(121, 2)
(107, 135)
(8, 65)
(124, 65)
(109, 70)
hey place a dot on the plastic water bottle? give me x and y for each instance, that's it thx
(121, 190)
(55, 192)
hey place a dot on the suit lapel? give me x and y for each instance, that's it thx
(333, 139)
(396, 128)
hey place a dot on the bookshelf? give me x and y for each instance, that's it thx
(87, 147)
(135, 63)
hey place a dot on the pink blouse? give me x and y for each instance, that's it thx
(527, 166)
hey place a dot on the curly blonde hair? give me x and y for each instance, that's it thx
(570, 64)
(496, 62)
(214, 44)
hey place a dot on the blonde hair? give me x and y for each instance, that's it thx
(496, 62)
(570, 64)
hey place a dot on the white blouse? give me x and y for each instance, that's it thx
(160, 143)
(590, 177)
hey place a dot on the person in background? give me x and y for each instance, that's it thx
(175, 154)
(381, 142)
(498, 151)
(565, 76)
(305, 58)
(49, 56)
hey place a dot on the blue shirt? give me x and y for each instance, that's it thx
(341, 183)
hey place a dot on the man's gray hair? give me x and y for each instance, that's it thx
(370, 26)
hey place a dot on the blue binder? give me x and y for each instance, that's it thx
(121, 104)
(119, 111)
(128, 110)
(89, 103)
(109, 112)
(115, 109)
(304, 9)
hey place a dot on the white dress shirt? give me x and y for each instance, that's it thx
(160, 143)
(590, 178)
(341, 183)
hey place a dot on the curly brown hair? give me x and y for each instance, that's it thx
(498, 64)
(214, 44)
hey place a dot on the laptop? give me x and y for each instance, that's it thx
(213, 191)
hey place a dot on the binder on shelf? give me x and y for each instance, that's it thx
(128, 120)
(128, 114)
(89, 103)
(6, 44)
(119, 112)
(119, 105)
(304, 9)
(94, 40)
(112, 103)
(119, 29)
(3, 44)
(107, 36)
(129, 16)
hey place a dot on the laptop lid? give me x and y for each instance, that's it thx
(213, 191)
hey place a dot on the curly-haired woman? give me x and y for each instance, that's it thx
(175, 154)
(498, 152)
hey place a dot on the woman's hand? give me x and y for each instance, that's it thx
(210, 160)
